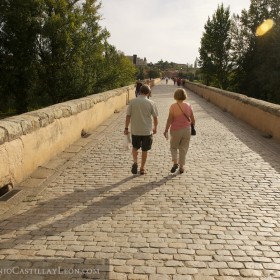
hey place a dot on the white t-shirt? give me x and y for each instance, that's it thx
(142, 110)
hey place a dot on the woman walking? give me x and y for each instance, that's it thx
(179, 122)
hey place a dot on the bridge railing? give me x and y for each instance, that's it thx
(29, 140)
(260, 114)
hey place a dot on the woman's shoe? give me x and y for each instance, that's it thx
(181, 170)
(174, 168)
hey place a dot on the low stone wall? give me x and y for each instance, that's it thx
(31, 139)
(262, 115)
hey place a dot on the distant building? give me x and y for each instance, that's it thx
(137, 61)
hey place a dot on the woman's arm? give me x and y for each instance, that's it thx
(192, 118)
(168, 123)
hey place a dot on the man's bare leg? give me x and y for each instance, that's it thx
(143, 159)
(134, 166)
(134, 155)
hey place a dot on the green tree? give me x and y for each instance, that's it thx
(55, 50)
(126, 70)
(20, 25)
(215, 48)
(70, 47)
(195, 63)
(94, 46)
(257, 59)
(140, 75)
(115, 70)
(241, 37)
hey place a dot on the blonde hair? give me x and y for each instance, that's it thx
(180, 94)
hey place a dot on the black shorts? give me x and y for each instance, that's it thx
(143, 142)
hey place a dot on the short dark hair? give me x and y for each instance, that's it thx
(145, 89)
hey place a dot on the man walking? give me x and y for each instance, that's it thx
(143, 115)
(137, 87)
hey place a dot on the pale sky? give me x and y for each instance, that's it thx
(161, 29)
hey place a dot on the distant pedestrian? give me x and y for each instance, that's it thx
(142, 114)
(138, 85)
(179, 121)
(166, 80)
(179, 82)
(148, 85)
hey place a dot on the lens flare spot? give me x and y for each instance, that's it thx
(264, 27)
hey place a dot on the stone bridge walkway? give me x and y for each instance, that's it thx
(84, 209)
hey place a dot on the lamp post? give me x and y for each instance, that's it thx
(209, 61)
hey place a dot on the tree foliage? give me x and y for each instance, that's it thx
(215, 47)
(115, 69)
(55, 50)
(19, 27)
(248, 64)
(258, 64)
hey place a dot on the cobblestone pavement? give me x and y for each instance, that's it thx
(218, 221)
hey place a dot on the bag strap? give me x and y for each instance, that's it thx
(184, 113)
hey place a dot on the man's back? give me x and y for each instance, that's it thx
(141, 110)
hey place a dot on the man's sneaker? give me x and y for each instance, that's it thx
(134, 168)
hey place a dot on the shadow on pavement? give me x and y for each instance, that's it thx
(58, 207)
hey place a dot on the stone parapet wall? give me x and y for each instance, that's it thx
(260, 114)
(31, 139)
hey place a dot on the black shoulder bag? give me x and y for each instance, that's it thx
(193, 131)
